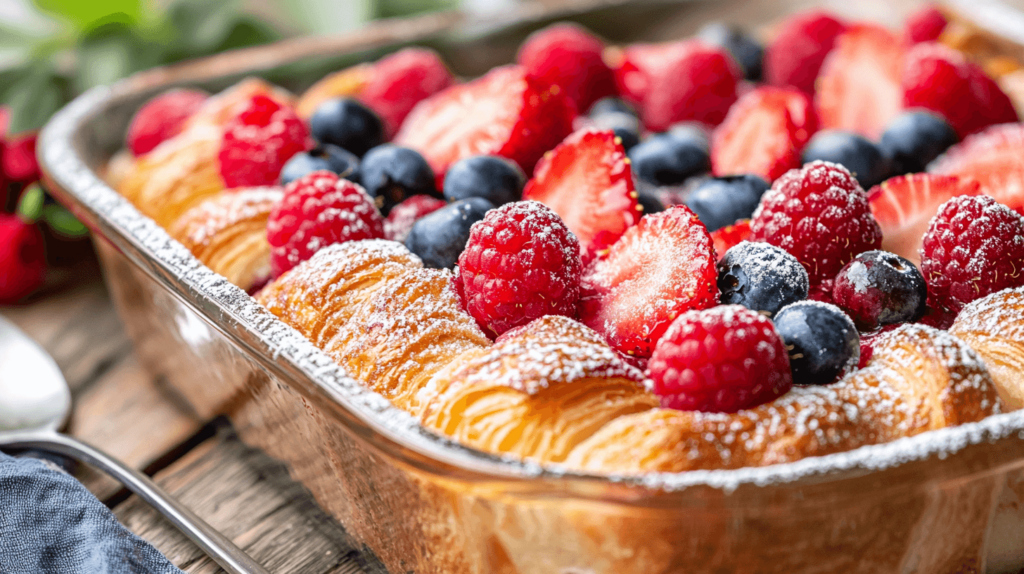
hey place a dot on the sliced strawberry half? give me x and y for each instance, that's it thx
(663, 266)
(587, 181)
(859, 85)
(730, 236)
(764, 133)
(504, 113)
(905, 204)
(995, 158)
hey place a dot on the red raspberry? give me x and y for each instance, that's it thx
(22, 259)
(924, 25)
(399, 221)
(162, 118)
(318, 210)
(521, 263)
(796, 55)
(974, 247)
(258, 141)
(400, 81)
(19, 158)
(699, 86)
(820, 215)
(722, 359)
(568, 56)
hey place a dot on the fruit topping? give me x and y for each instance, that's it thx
(162, 118)
(521, 263)
(438, 238)
(348, 124)
(670, 158)
(318, 210)
(649, 201)
(974, 247)
(323, 157)
(914, 138)
(761, 277)
(22, 258)
(663, 266)
(626, 126)
(746, 51)
(924, 25)
(854, 152)
(399, 222)
(822, 341)
(343, 83)
(722, 201)
(568, 56)
(729, 236)
(995, 158)
(796, 55)
(493, 178)
(391, 174)
(905, 204)
(723, 359)
(258, 141)
(611, 105)
(402, 80)
(820, 215)
(506, 112)
(880, 288)
(587, 181)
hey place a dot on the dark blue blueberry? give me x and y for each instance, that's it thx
(493, 178)
(721, 201)
(392, 174)
(747, 52)
(695, 131)
(439, 238)
(610, 105)
(347, 124)
(649, 200)
(913, 139)
(761, 277)
(669, 159)
(854, 152)
(624, 125)
(880, 288)
(822, 341)
(322, 157)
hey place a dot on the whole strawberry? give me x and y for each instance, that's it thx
(22, 258)
(162, 118)
(521, 263)
(259, 141)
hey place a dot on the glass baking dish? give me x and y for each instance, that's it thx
(944, 501)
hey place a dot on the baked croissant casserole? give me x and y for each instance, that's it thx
(632, 263)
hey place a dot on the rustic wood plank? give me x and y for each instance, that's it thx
(252, 500)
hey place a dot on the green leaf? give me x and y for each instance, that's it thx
(85, 15)
(30, 206)
(33, 98)
(113, 51)
(63, 222)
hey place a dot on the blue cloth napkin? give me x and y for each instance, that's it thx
(50, 524)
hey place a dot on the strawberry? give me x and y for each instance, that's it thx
(859, 86)
(795, 56)
(995, 158)
(763, 133)
(659, 269)
(569, 56)
(730, 236)
(905, 204)
(402, 80)
(504, 113)
(587, 181)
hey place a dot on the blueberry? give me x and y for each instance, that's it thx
(880, 288)
(650, 201)
(913, 139)
(626, 126)
(347, 124)
(761, 277)
(852, 151)
(322, 157)
(392, 174)
(439, 238)
(493, 178)
(747, 52)
(669, 159)
(822, 341)
(720, 201)
(610, 105)
(691, 131)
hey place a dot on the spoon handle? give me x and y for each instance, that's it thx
(230, 557)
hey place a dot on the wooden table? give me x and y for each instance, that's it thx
(138, 419)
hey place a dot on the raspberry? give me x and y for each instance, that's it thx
(258, 141)
(722, 359)
(318, 210)
(521, 263)
(22, 258)
(974, 247)
(400, 81)
(19, 158)
(821, 215)
(399, 221)
(924, 25)
(796, 55)
(568, 56)
(162, 118)
(699, 86)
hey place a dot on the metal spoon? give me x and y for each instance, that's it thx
(35, 402)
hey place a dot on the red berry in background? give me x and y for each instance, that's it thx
(22, 258)
(568, 56)
(521, 263)
(730, 236)
(402, 80)
(19, 158)
(318, 210)
(795, 56)
(699, 86)
(162, 118)
(924, 25)
(399, 221)
(723, 359)
(974, 247)
(258, 142)
(994, 158)
(635, 66)
(821, 216)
